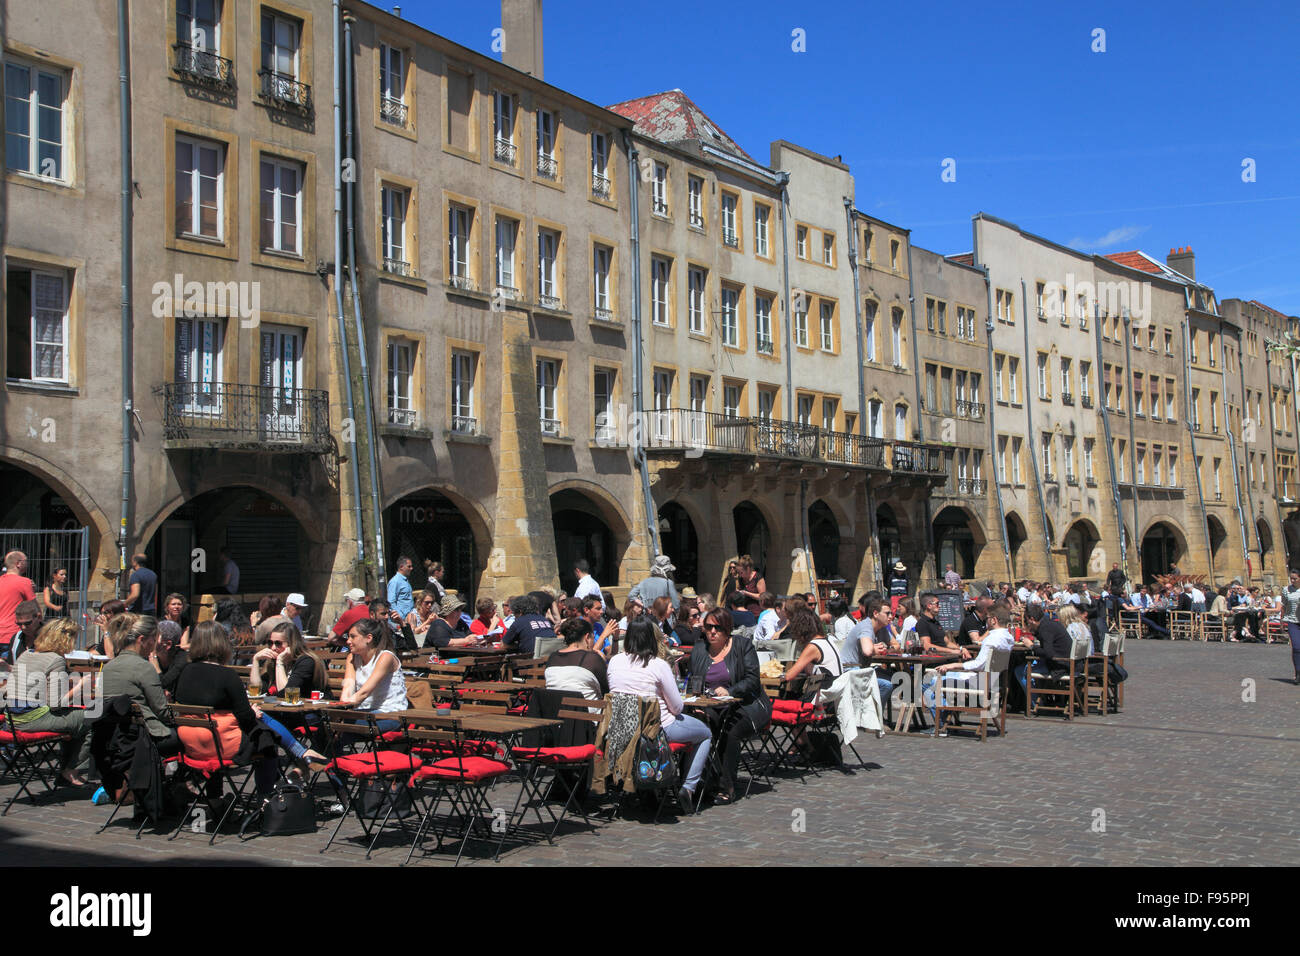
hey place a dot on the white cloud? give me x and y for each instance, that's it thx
(1112, 238)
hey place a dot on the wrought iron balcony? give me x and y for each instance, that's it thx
(399, 267)
(730, 239)
(462, 282)
(284, 90)
(660, 207)
(605, 315)
(464, 425)
(1091, 482)
(550, 426)
(504, 151)
(203, 67)
(507, 292)
(1067, 398)
(968, 409)
(392, 110)
(403, 417)
(550, 302)
(764, 345)
(697, 220)
(1065, 319)
(1072, 480)
(600, 186)
(970, 486)
(1085, 400)
(547, 167)
(249, 417)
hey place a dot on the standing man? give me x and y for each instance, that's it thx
(1116, 588)
(587, 586)
(229, 572)
(897, 585)
(400, 597)
(142, 598)
(659, 584)
(951, 579)
(15, 587)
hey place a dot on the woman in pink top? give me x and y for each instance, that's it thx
(637, 670)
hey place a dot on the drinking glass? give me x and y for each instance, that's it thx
(292, 695)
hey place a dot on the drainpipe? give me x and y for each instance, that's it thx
(1132, 439)
(128, 303)
(638, 345)
(1272, 431)
(783, 180)
(920, 418)
(991, 405)
(338, 287)
(349, 103)
(1191, 438)
(857, 314)
(1110, 453)
(1029, 416)
(1236, 474)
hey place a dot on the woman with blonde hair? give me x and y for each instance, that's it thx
(1075, 624)
(44, 689)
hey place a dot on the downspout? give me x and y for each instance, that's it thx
(783, 180)
(638, 450)
(349, 97)
(128, 302)
(1132, 404)
(991, 405)
(1236, 473)
(1191, 438)
(920, 418)
(857, 313)
(338, 287)
(1110, 453)
(1029, 417)
(1272, 431)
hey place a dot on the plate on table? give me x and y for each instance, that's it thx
(256, 696)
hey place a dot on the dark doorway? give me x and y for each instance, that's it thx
(954, 543)
(429, 526)
(824, 531)
(1079, 542)
(1161, 551)
(678, 540)
(752, 534)
(581, 532)
(1016, 537)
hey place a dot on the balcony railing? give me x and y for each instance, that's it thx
(547, 167)
(1085, 401)
(464, 425)
(504, 151)
(764, 345)
(403, 417)
(550, 302)
(203, 67)
(1072, 480)
(392, 110)
(550, 426)
(1067, 398)
(600, 186)
(680, 428)
(508, 292)
(730, 239)
(697, 220)
(604, 315)
(463, 282)
(285, 90)
(968, 409)
(660, 207)
(399, 267)
(252, 417)
(970, 486)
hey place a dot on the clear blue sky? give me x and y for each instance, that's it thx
(1137, 147)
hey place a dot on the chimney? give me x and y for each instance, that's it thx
(1182, 260)
(521, 21)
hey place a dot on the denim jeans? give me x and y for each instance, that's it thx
(929, 693)
(690, 730)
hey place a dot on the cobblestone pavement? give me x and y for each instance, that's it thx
(1189, 773)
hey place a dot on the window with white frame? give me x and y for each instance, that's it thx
(503, 127)
(1156, 462)
(464, 418)
(1088, 444)
(766, 402)
(548, 376)
(869, 331)
(900, 422)
(1042, 376)
(830, 407)
(893, 255)
(659, 189)
(1141, 466)
(507, 237)
(281, 206)
(804, 409)
(1121, 458)
(1171, 474)
(200, 188)
(392, 85)
(762, 216)
(697, 282)
(600, 184)
(663, 403)
(460, 224)
(1214, 412)
(602, 404)
(198, 24)
(828, 326)
(281, 41)
(1017, 457)
(695, 200)
(198, 359)
(999, 365)
(547, 167)
(35, 120)
(828, 248)
(1085, 379)
(900, 360)
(730, 317)
(392, 228)
(1139, 406)
(401, 382)
(660, 270)
(731, 401)
(729, 234)
(801, 241)
(548, 280)
(801, 324)
(601, 259)
(1013, 367)
(1046, 444)
(763, 324)
(875, 418)
(1067, 452)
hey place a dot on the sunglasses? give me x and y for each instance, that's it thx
(277, 643)
(714, 627)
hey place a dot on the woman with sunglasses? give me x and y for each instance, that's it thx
(294, 665)
(728, 665)
(687, 630)
(424, 613)
(632, 609)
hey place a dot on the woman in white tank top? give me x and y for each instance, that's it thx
(373, 677)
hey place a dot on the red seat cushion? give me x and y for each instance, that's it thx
(787, 718)
(554, 755)
(793, 706)
(469, 748)
(30, 736)
(677, 747)
(364, 765)
(389, 736)
(469, 769)
(206, 765)
(519, 709)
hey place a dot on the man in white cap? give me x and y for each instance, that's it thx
(294, 605)
(659, 584)
(355, 609)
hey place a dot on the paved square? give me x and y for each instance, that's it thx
(1189, 774)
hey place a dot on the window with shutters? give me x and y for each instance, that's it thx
(401, 383)
(869, 330)
(460, 133)
(393, 106)
(36, 325)
(464, 373)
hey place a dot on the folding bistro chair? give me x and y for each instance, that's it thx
(544, 764)
(1182, 625)
(984, 694)
(203, 768)
(1070, 685)
(1130, 622)
(793, 711)
(30, 756)
(136, 719)
(370, 764)
(462, 778)
(1100, 687)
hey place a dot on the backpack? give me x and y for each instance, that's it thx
(655, 767)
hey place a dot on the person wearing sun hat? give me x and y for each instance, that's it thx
(658, 584)
(442, 631)
(897, 584)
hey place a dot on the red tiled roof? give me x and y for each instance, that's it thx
(1260, 305)
(673, 117)
(1135, 260)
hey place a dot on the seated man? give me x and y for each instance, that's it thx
(934, 639)
(741, 616)
(962, 673)
(975, 623)
(1055, 641)
(867, 639)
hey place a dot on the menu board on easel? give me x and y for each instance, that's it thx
(951, 610)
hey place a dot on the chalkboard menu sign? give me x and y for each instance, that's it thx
(951, 610)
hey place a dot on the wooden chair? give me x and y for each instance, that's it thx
(1183, 625)
(1069, 685)
(985, 694)
(1215, 628)
(484, 701)
(1130, 622)
(528, 670)
(1100, 687)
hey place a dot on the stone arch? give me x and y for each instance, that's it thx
(480, 522)
(1082, 542)
(582, 514)
(67, 487)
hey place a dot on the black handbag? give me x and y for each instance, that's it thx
(286, 811)
(655, 767)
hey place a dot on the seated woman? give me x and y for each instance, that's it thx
(107, 611)
(207, 682)
(729, 666)
(292, 663)
(174, 607)
(814, 653)
(575, 666)
(1076, 625)
(43, 692)
(842, 620)
(424, 614)
(638, 670)
(372, 678)
(486, 623)
(131, 641)
(632, 609)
